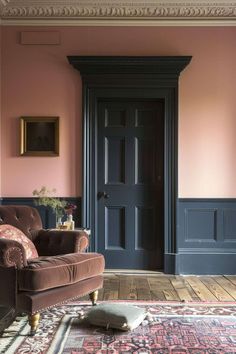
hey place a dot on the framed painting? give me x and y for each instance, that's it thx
(39, 136)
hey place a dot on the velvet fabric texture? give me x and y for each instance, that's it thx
(50, 272)
(33, 302)
(23, 217)
(55, 242)
(60, 273)
(8, 276)
(47, 242)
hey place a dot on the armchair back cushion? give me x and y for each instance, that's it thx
(12, 233)
(23, 217)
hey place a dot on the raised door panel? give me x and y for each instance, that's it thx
(114, 160)
(115, 228)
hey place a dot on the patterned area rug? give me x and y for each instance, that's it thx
(169, 328)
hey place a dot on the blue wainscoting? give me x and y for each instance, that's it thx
(48, 217)
(206, 236)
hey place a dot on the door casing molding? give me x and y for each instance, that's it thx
(132, 77)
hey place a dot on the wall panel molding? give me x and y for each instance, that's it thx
(212, 250)
(200, 224)
(117, 12)
(192, 256)
(229, 225)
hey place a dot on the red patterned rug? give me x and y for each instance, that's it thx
(170, 328)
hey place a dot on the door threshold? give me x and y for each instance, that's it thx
(133, 271)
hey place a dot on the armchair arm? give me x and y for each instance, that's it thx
(55, 242)
(12, 254)
(8, 276)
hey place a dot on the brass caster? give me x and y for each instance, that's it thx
(34, 323)
(93, 297)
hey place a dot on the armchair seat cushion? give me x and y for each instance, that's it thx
(54, 271)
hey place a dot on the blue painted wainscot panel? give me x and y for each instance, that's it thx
(206, 236)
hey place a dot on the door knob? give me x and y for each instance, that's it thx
(103, 195)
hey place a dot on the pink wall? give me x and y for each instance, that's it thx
(0, 107)
(37, 80)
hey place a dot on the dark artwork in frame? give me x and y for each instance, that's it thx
(39, 136)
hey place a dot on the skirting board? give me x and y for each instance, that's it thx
(200, 264)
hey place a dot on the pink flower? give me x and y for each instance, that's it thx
(69, 208)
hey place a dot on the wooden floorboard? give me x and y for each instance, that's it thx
(220, 293)
(143, 289)
(121, 285)
(232, 278)
(127, 288)
(160, 287)
(227, 285)
(184, 293)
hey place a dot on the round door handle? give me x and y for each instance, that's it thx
(103, 195)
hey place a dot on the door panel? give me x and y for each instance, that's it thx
(115, 228)
(130, 183)
(114, 160)
(144, 220)
(144, 161)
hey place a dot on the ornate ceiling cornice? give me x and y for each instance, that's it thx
(117, 12)
(4, 2)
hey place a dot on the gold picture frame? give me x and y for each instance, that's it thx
(39, 136)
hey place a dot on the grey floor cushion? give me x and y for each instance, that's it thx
(120, 316)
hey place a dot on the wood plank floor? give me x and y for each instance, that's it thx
(161, 287)
(158, 287)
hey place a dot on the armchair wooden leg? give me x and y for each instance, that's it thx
(34, 322)
(93, 297)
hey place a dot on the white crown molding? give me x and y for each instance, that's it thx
(115, 12)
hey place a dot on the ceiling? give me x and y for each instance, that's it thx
(118, 12)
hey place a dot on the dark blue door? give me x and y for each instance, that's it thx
(130, 183)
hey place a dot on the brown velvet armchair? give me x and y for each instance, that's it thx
(61, 272)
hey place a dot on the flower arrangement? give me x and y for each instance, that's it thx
(69, 208)
(46, 197)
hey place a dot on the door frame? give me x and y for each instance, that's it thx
(137, 77)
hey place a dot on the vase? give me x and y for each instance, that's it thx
(58, 223)
(70, 222)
